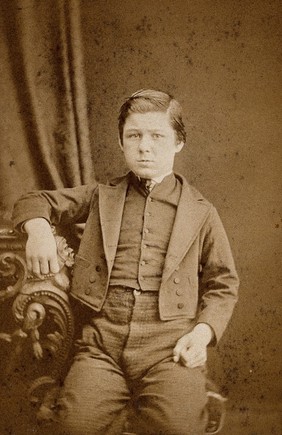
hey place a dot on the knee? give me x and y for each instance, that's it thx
(192, 421)
(173, 426)
(75, 420)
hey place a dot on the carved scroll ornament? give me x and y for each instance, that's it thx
(41, 314)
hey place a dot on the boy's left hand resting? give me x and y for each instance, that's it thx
(191, 349)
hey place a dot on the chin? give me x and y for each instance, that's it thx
(145, 173)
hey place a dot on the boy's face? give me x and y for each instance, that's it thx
(150, 144)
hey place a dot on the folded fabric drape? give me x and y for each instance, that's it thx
(45, 135)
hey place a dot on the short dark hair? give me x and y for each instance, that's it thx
(149, 100)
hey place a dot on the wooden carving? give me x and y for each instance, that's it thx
(41, 323)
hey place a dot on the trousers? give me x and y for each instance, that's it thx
(124, 361)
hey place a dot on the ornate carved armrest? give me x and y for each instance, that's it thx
(36, 322)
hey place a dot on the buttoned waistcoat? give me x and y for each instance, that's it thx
(199, 278)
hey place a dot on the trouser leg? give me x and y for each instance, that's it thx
(171, 400)
(93, 398)
(95, 393)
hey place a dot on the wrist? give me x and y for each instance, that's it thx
(204, 333)
(36, 226)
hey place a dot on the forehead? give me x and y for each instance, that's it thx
(148, 121)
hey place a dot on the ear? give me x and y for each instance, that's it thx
(120, 144)
(179, 146)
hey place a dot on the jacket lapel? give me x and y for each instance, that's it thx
(191, 214)
(111, 204)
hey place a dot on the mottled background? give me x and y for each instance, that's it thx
(222, 61)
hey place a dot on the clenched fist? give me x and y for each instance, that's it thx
(41, 248)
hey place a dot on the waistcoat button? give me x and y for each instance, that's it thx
(87, 291)
(179, 292)
(180, 305)
(92, 278)
(177, 280)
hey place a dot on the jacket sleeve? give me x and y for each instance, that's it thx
(62, 206)
(218, 277)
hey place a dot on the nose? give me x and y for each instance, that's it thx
(145, 143)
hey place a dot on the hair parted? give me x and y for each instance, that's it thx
(149, 100)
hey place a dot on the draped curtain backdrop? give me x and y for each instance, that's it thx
(43, 99)
(222, 60)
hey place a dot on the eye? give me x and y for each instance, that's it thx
(157, 135)
(133, 135)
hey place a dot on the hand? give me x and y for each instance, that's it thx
(41, 248)
(191, 349)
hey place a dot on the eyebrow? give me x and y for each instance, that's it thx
(138, 129)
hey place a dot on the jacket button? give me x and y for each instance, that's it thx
(179, 292)
(180, 305)
(177, 280)
(87, 291)
(92, 278)
(98, 268)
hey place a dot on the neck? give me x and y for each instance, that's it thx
(158, 179)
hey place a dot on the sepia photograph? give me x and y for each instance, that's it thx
(140, 217)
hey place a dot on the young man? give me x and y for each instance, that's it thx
(155, 268)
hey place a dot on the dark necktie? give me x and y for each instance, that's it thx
(147, 185)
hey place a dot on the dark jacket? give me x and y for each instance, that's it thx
(199, 277)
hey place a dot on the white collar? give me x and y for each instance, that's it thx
(159, 179)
